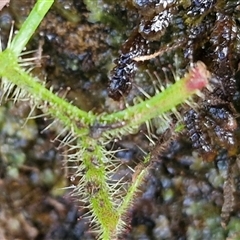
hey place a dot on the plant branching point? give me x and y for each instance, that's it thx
(90, 132)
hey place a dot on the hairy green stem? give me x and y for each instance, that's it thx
(94, 162)
(71, 116)
(30, 25)
(167, 100)
(98, 192)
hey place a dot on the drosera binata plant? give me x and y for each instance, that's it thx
(86, 133)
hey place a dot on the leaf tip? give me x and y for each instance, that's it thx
(198, 77)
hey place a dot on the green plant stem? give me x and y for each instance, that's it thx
(30, 25)
(156, 106)
(93, 157)
(94, 162)
(71, 116)
(153, 107)
(133, 189)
